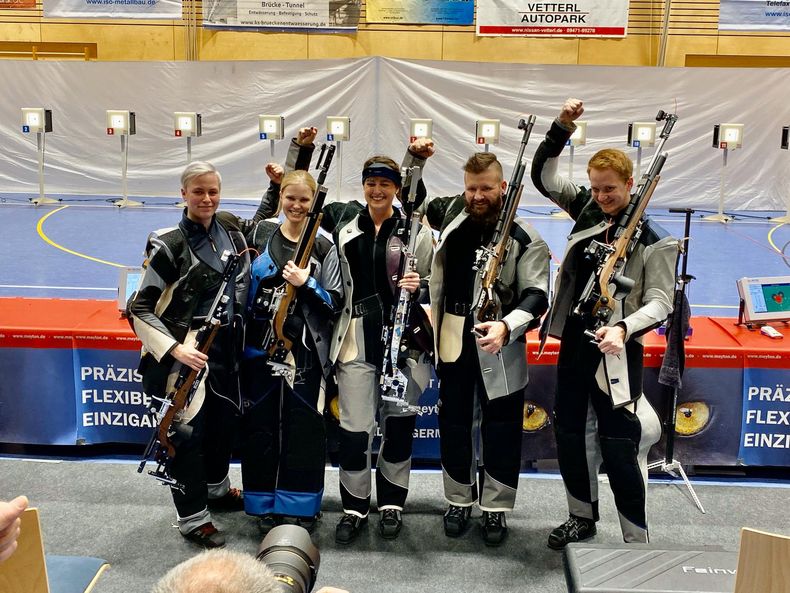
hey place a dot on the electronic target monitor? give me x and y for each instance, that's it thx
(765, 299)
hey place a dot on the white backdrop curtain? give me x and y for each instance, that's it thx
(380, 95)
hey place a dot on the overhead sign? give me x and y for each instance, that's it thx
(754, 15)
(17, 4)
(281, 15)
(107, 9)
(423, 12)
(525, 18)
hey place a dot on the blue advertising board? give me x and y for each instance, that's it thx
(765, 429)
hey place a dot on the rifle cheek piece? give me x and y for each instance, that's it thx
(182, 432)
(623, 285)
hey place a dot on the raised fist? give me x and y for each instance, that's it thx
(275, 172)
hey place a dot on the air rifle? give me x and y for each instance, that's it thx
(393, 382)
(283, 300)
(607, 283)
(490, 258)
(160, 447)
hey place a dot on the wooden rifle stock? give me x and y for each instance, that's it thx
(186, 384)
(487, 309)
(281, 344)
(490, 259)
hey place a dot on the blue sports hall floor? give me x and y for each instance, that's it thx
(74, 249)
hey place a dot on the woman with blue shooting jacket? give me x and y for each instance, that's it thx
(284, 442)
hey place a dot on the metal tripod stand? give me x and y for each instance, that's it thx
(676, 333)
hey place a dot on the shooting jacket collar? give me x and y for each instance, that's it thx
(365, 221)
(192, 227)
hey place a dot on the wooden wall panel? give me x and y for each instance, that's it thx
(321, 47)
(125, 40)
(38, 50)
(20, 31)
(755, 45)
(679, 47)
(241, 45)
(468, 47)
(20, 25)
(179, 42)
(693, 34)
(634, 50)
(738, 61)
(410, 44)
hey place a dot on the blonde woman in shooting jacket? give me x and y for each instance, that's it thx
(181, 280)
(284, 438)
(600, 413)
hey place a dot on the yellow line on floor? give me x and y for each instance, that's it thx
(42, 234)
(771, 237)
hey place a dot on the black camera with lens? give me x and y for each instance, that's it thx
(291, 555)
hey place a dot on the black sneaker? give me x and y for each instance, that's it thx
(308, 523)
(455, 520)
(575, 529)
(493, 527)
(206, 536)
(232, 501)
(390, 523)
(266, 523)
(348, 527)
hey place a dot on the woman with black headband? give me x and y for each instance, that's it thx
(365, 233)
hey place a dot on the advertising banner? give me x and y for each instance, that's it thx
(73, 379)
(109, 9)
(111, 405)
(754, 15)
(526, 18)
(281, 15)
(17, 4)
(423, 12)
(37, 395)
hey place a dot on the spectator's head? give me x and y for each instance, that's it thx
(219, 571)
